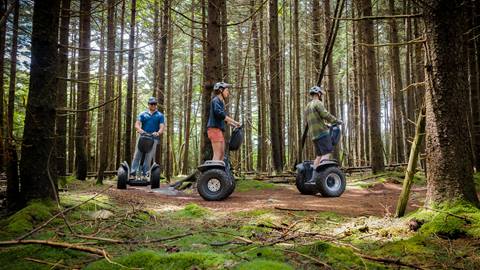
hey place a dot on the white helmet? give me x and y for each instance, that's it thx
(316, 90)
(219, 85)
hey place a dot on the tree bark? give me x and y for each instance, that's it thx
(119, 89)
(213, 70)
(450, 168)
(38, 139)
(398, 102)
(169, 112)
(109, 87)
(3, 7)
(275, 103)
(61, 121)
(128, 109)
(372, 90)
(82, 126)
(101, 94)
(185, 167)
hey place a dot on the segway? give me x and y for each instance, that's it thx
(330, 181)
(145, 144)
(216, 181)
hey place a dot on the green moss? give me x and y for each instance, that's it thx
(149, 259)
(25, 219)
(260, 264)
(476, 179)
(192, 210)
(247, 185)
(336, 257)
(13, 258)
(252, 213)
(450, 220)
(64, 181)
(332, 216)
(100, 202)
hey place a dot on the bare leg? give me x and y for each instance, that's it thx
(324, 157)
(317, 161)
(218, 150)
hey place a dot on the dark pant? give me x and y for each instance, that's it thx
(323, 145)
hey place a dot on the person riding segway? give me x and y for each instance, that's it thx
(323, 174)
(216, 181)
(149, 126)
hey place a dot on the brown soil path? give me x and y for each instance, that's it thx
(379, 200)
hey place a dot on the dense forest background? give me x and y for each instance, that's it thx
(110, 56)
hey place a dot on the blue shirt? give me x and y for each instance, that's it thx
(151, 122)
(216, 118)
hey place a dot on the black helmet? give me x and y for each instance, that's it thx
(316, 90)
(221, 85)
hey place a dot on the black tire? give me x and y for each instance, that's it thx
(214, 185)
(331, 182)
(155, 178)
(233, 184)
(300, 183)
(122, 178)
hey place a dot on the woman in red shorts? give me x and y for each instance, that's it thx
(217, 119)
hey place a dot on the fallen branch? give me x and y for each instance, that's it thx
(388, 261)
(91, 250)
(60, 213)
(117, 241)
(317, 261)
(53, 265)
(297, 209)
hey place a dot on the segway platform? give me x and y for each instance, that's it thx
(330, 180)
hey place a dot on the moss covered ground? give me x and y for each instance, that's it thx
(196, 237)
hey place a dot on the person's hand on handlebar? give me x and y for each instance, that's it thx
(156, 134)
(339, 122)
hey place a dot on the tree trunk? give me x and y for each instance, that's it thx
(213, 70)
(128, 109)
(72, 104)
(13, 72)
(82, 126)
(3, 7)
(372, 90)
(38, 140)
(185, 167)
(119, 89)
(169, 112)
(61, 121)
(450, 168)
(398, 102)
(101, 94)
(275, 103)
(162, 52)
(107, 110)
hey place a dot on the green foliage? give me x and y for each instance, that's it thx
(252, 213)
(25, 219)
(149, 259)
(450, 220)
(261, 264)
(192, 210)
(476, 179)
(247, 185)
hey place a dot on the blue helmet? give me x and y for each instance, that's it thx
(221, 85)
(152, 100)
(316, 90)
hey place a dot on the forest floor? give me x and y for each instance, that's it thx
(261, 226)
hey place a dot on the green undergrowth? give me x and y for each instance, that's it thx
(450, 220)
(16, 257)
(261, 264)
(395, 177)
(98, 203)
(25, 219)
(476, 179)
(191, 210)
(150, 259)
(247, 185)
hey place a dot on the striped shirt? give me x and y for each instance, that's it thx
(317, 118)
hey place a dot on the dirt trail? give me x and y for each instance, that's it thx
(379, 200)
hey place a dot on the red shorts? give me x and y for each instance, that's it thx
(215, 135)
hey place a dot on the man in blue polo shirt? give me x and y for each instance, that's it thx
(153, 122)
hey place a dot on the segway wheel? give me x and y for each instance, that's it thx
(233, 184)
(155, 177)
(122, 178)
(214, 185)
(332, 182)
(300, 183)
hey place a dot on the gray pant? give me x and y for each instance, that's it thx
(149, 158)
